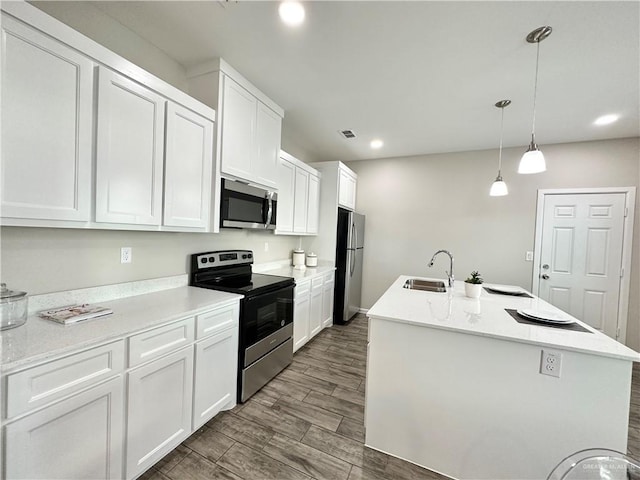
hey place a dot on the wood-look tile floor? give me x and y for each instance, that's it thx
(308, 422)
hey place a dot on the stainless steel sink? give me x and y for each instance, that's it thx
(426, 285)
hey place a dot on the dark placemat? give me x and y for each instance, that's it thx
(520, 319)
(494, 292)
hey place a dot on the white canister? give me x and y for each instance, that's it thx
(298, 259)
(312, 260)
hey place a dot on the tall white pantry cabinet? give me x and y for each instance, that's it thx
(65, 97)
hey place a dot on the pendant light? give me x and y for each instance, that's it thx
(499, 188)
(533, 160)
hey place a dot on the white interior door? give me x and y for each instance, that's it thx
(581, 256)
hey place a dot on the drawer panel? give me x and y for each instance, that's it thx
(316, 282)
(302, 287)
(160, 341)
(40, 385)
(217, 320)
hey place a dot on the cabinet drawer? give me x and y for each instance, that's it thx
(45, 383)
(302, 288)
(216, 320)
(316, 283)
(159, 341)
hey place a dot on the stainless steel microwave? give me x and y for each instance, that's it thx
(246, 206)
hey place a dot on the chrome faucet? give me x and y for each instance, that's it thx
(450, 272)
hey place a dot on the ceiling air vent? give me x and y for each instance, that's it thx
(347, 134)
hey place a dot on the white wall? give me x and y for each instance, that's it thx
(43, 260)
(417, 205)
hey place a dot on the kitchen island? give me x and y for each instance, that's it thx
(454, 384)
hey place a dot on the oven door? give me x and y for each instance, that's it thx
(267, 321)
(246, 206)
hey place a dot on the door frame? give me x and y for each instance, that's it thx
(627, 245)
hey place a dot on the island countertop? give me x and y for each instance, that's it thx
(486, 316)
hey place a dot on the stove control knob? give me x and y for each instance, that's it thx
(212, 259)
(250, 255)
(203, 260)
(244, 255)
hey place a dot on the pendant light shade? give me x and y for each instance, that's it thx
(499, 188)
(533, 160)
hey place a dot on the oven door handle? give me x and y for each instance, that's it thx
(269, 200)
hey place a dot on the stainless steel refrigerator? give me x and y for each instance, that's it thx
(349, 253)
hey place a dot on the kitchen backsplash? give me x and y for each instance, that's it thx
(39, 260)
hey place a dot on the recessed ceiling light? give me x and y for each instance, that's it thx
(291, 13)
(606, 119)
(376, 143)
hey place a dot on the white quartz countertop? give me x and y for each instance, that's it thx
(289, 271)
(486, 316)
(40, 339)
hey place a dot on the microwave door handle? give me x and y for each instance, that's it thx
(269, 199)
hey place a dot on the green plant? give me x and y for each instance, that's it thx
(475, 278)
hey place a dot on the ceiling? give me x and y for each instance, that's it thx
(423, 76)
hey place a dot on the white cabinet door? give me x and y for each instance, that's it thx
(286, 189)
(238, 130)
(301, 201)
(268, 133)
(46, 127)
(347, 191)
(77, 438)
(313, 206)
(301, 315)
(129, 152)
(215, 375)
(187, 168)
(327, 300)
(159, 409)
(315, 309)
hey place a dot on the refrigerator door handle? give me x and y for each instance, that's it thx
(354, 236)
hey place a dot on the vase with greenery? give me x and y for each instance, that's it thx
(473, 285)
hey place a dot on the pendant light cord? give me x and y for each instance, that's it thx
(500, 152)
(535, 92)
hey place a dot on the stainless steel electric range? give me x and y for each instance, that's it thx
(266, 314)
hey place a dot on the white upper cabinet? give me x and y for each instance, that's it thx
(347, 189)
(248, 128)
(301, 201)
(268, 133)
(86, 152)
(250, 140)
(47, 97)
(129, 152)
(187, 168)
(313, 205)
(238, 130)
(298, 197)
(286, 189)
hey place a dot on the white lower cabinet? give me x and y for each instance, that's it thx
(327, 299)
(315, 309)
(301, 314)
(82, 415)
(79, 437)
(158, 409)
(215, 375)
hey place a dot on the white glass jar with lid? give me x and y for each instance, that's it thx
(13, 308)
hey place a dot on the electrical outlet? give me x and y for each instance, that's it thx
(551, 363)
(125, 255)
(528, 256)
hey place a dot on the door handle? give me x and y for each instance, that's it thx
(545, 276)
